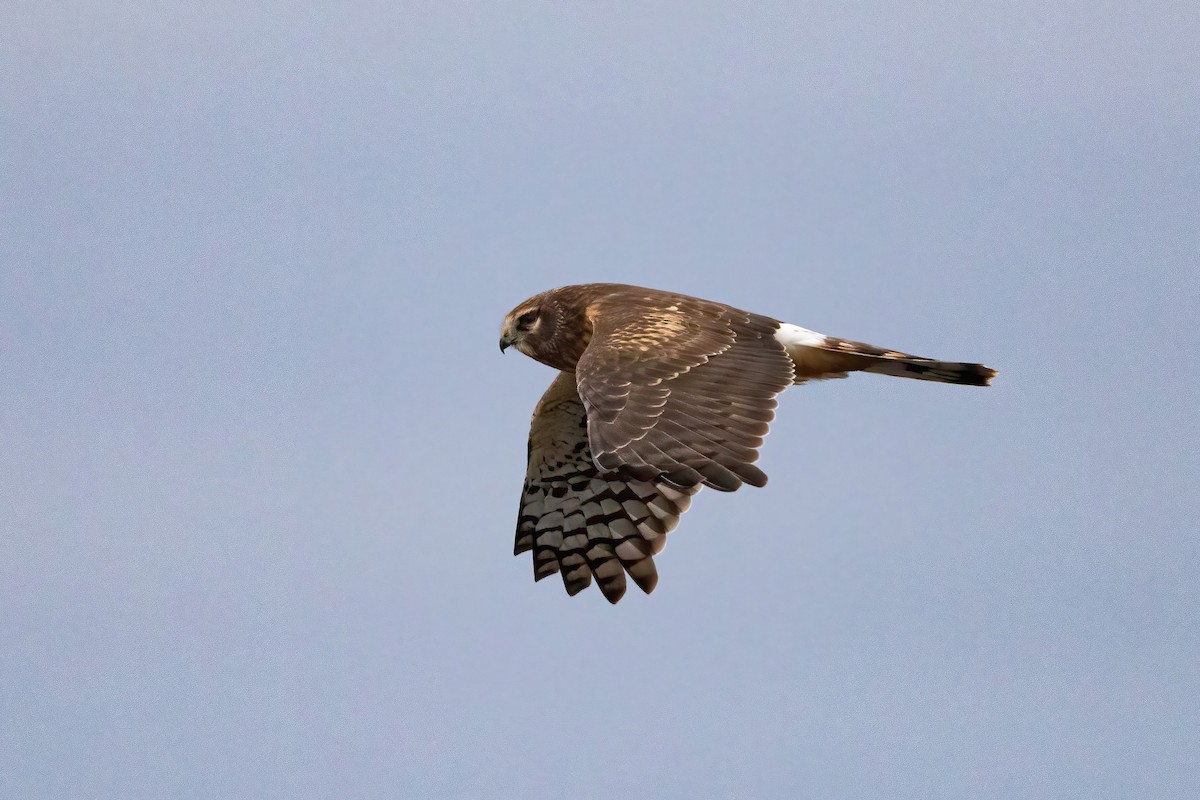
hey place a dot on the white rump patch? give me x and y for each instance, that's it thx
(795, 336)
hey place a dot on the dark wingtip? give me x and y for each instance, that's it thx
(613, 596)
(714, 475)
(752, 475)
(645, 582)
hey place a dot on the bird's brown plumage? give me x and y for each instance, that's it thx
(659, 394)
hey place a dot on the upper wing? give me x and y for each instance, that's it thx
(680, 389)
(579, 521)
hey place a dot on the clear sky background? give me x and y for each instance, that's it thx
(260, 457)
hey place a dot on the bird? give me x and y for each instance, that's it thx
(658, 394)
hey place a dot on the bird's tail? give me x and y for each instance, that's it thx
(963, 373)
(817, 356)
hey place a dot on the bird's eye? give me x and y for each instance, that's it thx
(527, 319)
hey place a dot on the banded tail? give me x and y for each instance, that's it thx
(817, 356)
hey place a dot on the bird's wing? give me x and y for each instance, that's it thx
(679, 389)
(584, 523)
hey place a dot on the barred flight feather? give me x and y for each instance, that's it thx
(580, 522)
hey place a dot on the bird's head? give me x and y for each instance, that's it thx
(527, 326)
(552, 327)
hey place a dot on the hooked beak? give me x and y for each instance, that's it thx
(505, 342)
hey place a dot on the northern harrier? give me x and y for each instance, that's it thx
(658, 394)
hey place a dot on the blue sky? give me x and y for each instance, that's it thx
(261, 458)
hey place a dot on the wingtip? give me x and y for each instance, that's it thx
(614, 597)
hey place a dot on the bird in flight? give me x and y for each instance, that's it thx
(657, 395)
